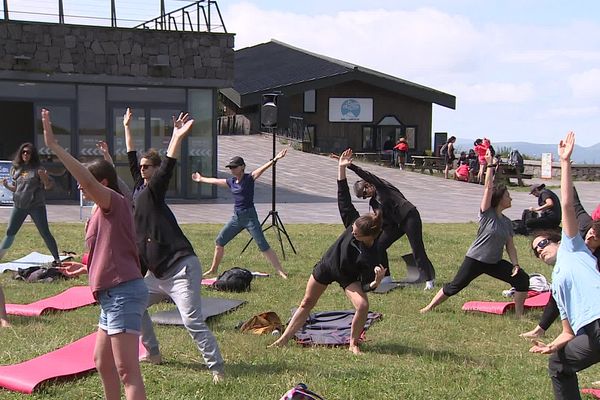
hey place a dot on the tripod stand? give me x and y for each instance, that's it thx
(276, 222)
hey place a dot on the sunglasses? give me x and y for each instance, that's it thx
(146, 166)
(26, 152)
(540, 246)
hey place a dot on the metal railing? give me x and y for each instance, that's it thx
(195, 17)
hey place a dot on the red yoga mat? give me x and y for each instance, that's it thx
(501, 307)
(70, 299)
(593, 392)
(73, 359)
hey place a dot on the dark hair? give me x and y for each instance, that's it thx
(369, 224)
(596, 226)
(153, 156)
(451, 139)
(102, 169)
(34, 161)
(553, 235)
(497, 193)
(359, 188)
(477, 141)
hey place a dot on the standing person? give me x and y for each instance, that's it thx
(548, 209)
(575, 287)
(399, 217)
(244, 216)
(30, 181)
(449, 155)
(352, 259)
(3, 317)
(401, 150)
(481, 146)
(172, 268)
(485, 254)
(114, 273)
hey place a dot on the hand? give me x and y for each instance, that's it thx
(565, 147)
(103, 146)
(345, 159)
(127, 117)
(197, 177)
(4, 182)
(209, 272)
(281, 154)
(489, 159)
(72, 269)
(515, 270)
(49, 138)
(182, 125)
(531, 209)
(540, 347)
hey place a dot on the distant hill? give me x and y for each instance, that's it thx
(581, 155)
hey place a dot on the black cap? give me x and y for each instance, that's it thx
(236, 161)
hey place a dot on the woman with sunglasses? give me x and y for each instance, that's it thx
(576, 289)
(400, 217)
(30, 181)
(485, 254)
(353, 261)
(244, 216)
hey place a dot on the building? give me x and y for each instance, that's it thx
(87, 76)
(330, 103)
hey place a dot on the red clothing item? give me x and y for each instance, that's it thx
(110, 238)
(481, 149)
(462, 172)
(401, 146)
(596, 213)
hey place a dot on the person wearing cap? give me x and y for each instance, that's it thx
(548, 209)
(244, 216)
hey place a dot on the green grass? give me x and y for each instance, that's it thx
(446, 354)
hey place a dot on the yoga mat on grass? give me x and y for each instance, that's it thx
(70, 299)
(72, 359)
(33, 259)
(501, 307)
(593, 392)
(211, 306)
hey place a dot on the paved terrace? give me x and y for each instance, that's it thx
(306, 190)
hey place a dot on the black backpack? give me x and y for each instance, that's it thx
(444, 150)
(234, 280)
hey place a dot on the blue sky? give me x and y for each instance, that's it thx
(521, 70)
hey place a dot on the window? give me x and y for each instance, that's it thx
(368, 139)
(310, 101)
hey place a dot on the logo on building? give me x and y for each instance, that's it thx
(350, 109)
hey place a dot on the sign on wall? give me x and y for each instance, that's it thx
(6, 196)
(351, 109)
(546, 171)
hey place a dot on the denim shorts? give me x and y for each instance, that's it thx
(243, 219)
(122, 307)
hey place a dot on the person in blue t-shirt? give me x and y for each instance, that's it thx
(244, 216)
(576, 289)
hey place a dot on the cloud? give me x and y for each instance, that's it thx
(585, 84)
(493, 92)
(569, 112)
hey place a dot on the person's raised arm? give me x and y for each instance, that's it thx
(129, 144)
(569, 220)
(347, 210)
(103, 146)
(259, 171)
(488, 186)
(181, 128)
(197, 177)
(94, 190)
(344, 161)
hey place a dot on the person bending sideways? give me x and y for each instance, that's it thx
(485, 254)
(114, 272)
(576, 289)
(244, 216)
(353, 258)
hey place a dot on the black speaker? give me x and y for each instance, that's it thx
(268, 111)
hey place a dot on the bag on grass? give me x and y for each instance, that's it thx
(301, 392)
(262, 323)
(234, 280)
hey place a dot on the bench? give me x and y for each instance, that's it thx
(428, 162)
(506, 172)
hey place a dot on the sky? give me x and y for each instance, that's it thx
(521, 70)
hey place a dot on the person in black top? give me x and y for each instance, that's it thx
(548, 208)
(172, 269)
(399, 217)
(354, 258)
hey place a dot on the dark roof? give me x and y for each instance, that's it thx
(276, 66)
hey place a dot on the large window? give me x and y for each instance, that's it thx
(201, 143)
(368, 138)
(91, 103)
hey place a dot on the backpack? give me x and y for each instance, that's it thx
(267, 322)
(234, 280)
(539, 283)
(300, 392)
(444, 150)
(516, 159)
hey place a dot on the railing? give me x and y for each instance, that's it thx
(195, 17)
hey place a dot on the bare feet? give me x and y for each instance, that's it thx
(219, 377)
(536, 332)
(155, 359)
(209, 272)
(278, 343)
(596, 384)
(425, 310)
(282, 274)
(4, 323)
(355, 349)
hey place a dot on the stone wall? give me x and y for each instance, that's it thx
(74, 49)
(581, 172)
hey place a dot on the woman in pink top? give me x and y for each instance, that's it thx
(115, 276)
(480, 146)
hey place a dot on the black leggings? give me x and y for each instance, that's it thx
(471, 269)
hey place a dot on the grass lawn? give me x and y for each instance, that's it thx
(446, 354)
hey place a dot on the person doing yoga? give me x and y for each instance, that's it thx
(485, 254)
(353, 261)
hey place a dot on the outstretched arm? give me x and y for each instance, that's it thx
(96, 191)
(197, 177)
(259, 171)
(347, 210)
(128, 136)
(569, 220)
(181, 128)
(103, 146)
(488, 186)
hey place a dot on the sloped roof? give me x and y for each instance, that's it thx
(276, 66)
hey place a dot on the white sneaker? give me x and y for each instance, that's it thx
(429, 285)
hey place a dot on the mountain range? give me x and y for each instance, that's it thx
(581, 155)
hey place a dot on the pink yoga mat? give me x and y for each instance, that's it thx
(70, 299)
(501, 307)
(593, 392)
(74, 358)
(208, 281)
